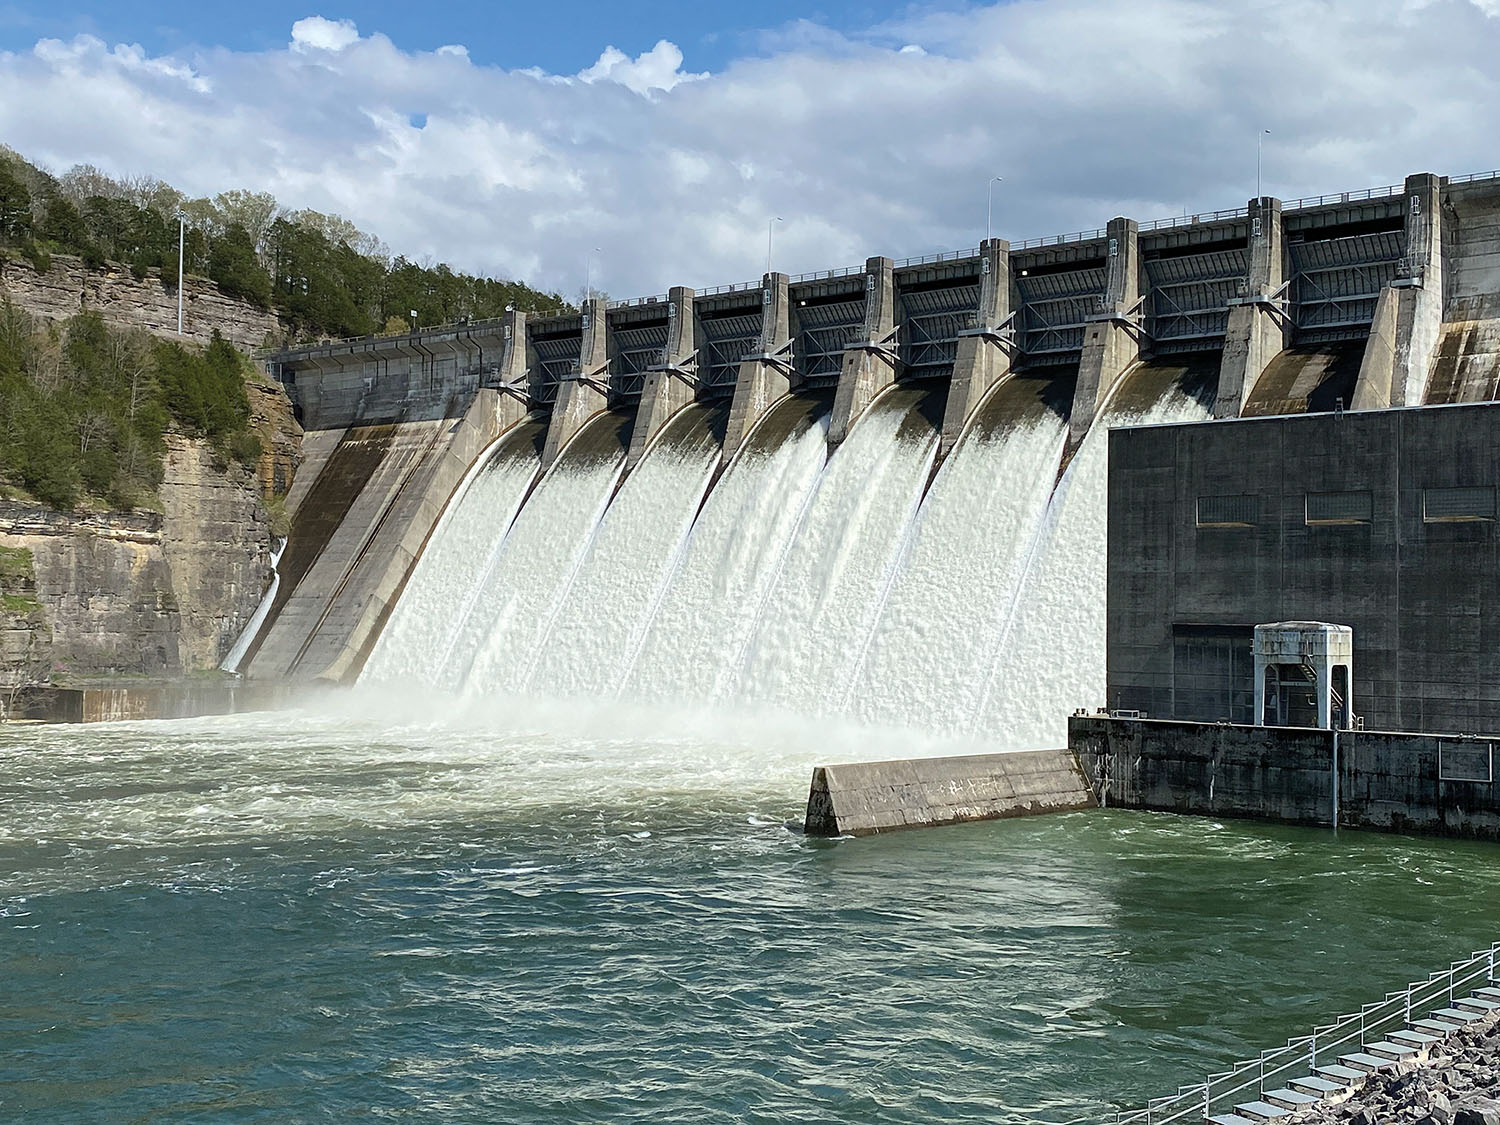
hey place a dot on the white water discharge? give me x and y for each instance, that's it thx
(454, 574)
(537, 565)
(831, 583)
(1050, 654)
(921, 668)
(737, 548)
(231, 663)
(803, 587)
(624, 575)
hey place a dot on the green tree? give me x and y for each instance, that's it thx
(234, 267)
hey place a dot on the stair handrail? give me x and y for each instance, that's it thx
(1249, 1079)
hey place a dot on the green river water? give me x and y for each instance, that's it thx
(351, 916)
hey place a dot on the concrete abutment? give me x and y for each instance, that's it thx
(1112, 337)
(670, 384)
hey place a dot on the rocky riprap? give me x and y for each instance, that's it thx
(1458, 1084)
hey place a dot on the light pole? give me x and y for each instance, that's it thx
(588, 275)
(989, 211)
(1259, 137)
(181, 237)
(770, 232)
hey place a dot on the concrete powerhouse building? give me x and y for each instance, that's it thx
(1380, 520)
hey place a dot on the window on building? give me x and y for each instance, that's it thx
(1228, 511)
(1338, 507)
(1457, 505)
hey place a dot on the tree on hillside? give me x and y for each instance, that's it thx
(234, 267)
(15, 207)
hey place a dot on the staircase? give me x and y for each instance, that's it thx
(1329, 1066)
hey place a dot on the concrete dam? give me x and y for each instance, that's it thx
(876, 493)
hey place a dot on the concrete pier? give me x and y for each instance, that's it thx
(518, 368)
(586, 392)
(1409, 313)
(1112, 336)
(986, 351)
(865, 798)
(766, 375)
(671, 383)
(1260, 327)
(870, 363)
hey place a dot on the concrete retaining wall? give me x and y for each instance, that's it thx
(864, 798)
(1388, 782)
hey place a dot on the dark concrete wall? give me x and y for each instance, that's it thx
(1387, 781)
(1422, 597)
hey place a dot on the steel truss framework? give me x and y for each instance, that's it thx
(932, 322)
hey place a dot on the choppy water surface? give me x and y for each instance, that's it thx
(302, 917)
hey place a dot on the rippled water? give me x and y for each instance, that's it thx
(358, 915)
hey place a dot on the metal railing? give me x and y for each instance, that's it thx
(1249, 1080)
(1344, 197)
(940, 256)
(634, 302)
(1472, 177)
(1059, 239)
(1194, 220)
(735, 287)
(827, 275)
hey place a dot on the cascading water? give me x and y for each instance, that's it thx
(538, 562)
(456, 569)
(802, 586)
(831, 582)
(1050, 654)
(623, 577)
(920, 667)
(736, 549)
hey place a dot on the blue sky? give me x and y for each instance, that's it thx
(558, 37)
(513, 138)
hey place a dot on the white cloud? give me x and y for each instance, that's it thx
(657, 69)
(1087, 110)
(318, 34)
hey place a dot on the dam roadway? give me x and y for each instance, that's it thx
(1360, 300)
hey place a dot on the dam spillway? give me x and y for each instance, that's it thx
(875, 494)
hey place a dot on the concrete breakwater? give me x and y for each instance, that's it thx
(865, 798)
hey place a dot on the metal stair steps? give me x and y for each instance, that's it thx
(1289, 1099)
(1457, 1016)
(1230, 1119)
(1318, 1086)
(1415, 1038)
(1359, 1060)
(1489, 992)
(1480, 1004)
(1434, 1027)
(1392, 1050)
(1347, 1073)
(1261, 1111)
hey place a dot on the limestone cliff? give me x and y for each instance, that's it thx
(122, 299)
(138, 594)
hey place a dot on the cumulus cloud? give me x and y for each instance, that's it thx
(657, 69)
(1088, 110)
(318, 34)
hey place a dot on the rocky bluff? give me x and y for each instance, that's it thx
(164, 593)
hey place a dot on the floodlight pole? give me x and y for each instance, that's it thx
(989, 212)
(1259, 137)
(770, 233)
